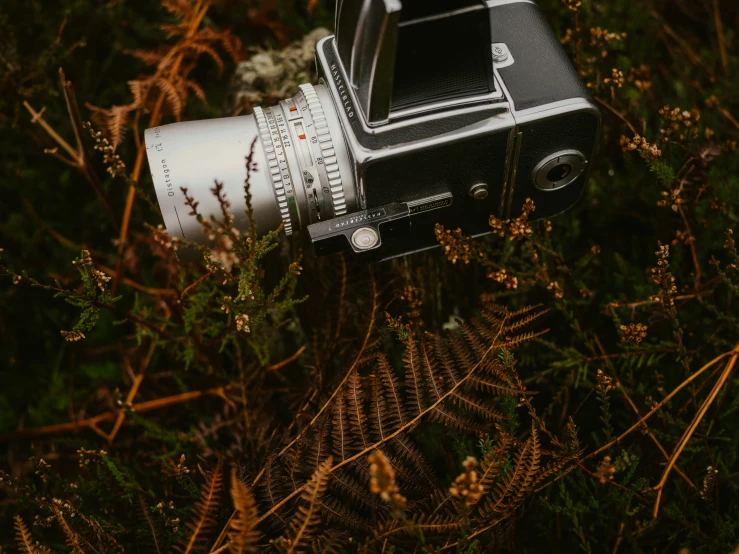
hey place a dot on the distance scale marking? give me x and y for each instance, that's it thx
(300, 209)
(276, 126)
(300, 112)
(274, 168)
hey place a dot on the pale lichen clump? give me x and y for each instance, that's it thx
(269, 75)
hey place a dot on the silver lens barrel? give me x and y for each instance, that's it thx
(304, 174)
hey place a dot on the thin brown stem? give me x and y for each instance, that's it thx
(618, 114)
(693, 252)
(692, 427)
(664, 401)
(129, 398)
(655, 439)
(194, 285)
(92, 422)
(720, 34)
(137, 286)
(286, 361)
(609, 482)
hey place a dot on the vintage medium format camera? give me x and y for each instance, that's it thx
(427, 111)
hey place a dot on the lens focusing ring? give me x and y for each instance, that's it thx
(274, 168)
(327, 149)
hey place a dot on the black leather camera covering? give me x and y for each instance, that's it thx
(443, 59)
(542, 72)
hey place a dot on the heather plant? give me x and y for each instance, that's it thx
(560, 386)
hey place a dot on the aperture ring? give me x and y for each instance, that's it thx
(274, 169)
(327, 149)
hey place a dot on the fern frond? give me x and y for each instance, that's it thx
(195, 88)
(548, 471)
(319, 446)
(341, 429)
(528, 477)
(308, 515)
(331, 542)
(455, 421)
(242, 533)
(427, 524)
(232, 45)
(138, 91)
(201, 48)
(462, 355)
(345, 484)
(445, 361)
(434, 378)
(147, 56)
(333, 512)
(154, 532)
(181, 9)
(413, 383)
(462, 400)
(507, 496)
(355, 408)
(523, 322)
(492, 386)
(471, 337)
(173, 95)
(409, 452)
(493, 463)
(522, 311)
(71, 538)
(526, 337)
(392, 392)
(26, 544)
(117, 118)
(204, 511)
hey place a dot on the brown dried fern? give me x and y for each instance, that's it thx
(26, 544)
(303, 524)
(71, 537)
(204, 512)
(242, 534)
(442, 375)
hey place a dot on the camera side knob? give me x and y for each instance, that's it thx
(559, 170)
(479, 191)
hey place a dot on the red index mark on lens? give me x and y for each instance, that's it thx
(302, 137)
(293, 109)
